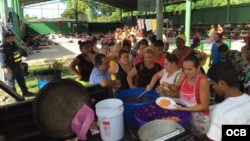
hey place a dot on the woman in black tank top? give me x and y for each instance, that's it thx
(83, 62)
(124, 67)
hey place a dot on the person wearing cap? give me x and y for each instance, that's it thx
(144, 71)
(11, 63)
(181, 51)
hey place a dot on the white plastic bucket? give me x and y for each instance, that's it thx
(110, 119)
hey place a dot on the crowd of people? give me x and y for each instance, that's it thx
(128, 59)
(130, 62)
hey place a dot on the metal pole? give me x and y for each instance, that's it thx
(76, 3)
(159, 19)
(58, 10)
(188, 21)
(228, 11)
(41, 11)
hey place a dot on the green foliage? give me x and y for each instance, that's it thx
(94, 11)
(202, 4)
(101, 12)
(57, 65)
(116, 16)
(74, 6)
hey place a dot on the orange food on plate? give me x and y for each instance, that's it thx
(172, 118)
(164, 102)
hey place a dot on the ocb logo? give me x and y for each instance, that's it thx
(236, 132)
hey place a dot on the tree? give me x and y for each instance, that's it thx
(116, 16)
(74, 7)
(101, 10)
(91, 9)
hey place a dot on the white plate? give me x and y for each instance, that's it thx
(170, 106)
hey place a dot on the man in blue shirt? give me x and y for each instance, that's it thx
(100, 74)
(215, 56)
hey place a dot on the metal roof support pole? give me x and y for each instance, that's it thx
(15, 6)
(188, 21)
(21, 11)
(11, 4)
(228, 11)
(18, 8)
(159, 19)
(76, 11)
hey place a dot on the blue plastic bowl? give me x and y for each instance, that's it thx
(130, 108)
(151, 111)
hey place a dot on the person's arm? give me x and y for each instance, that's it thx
(110, 83)
(204, 92)
(177, 85)
(203, 58)
(244, 51)
(3, 60)
(73, 69)
(154, 79)
(211, 57)
(174, 89)
(134, 61)
(113, 68)
(130, 77)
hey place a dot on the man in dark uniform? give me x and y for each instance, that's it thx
(10, 59)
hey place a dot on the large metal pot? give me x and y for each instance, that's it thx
(159, 130)
(56, 104)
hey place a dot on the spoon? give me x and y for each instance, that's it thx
(141, 94)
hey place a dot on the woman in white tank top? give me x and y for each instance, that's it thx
(167, 76)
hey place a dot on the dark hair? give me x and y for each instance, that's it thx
(223, 48)
(171, 58)
(126, 42)
(133, 36)
(85, 43)
(122, 51)
(193, 57)
(224, 71)
(98, 59)
(158, 43)
(111, 43)
(142, 42)
(195, 42)
(104, 43)
(153, 38)
(94, 40)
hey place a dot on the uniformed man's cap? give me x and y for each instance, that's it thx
(8, 34)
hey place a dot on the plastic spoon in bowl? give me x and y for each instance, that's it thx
(141, 94)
